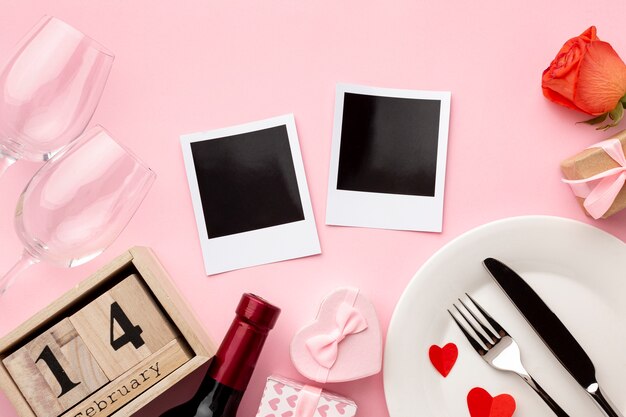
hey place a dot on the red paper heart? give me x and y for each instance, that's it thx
(323, 410)
(482, 404)
(341, 408)
(443, 359)
(287, 414)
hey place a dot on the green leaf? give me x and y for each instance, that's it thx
(616, 115)
(595, 120)
(605, 127)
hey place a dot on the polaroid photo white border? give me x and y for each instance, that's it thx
(261, 246)
(381, 210)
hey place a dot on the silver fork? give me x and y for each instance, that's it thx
(498, 348)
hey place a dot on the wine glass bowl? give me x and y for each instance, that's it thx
(78, 203)
(49, 90)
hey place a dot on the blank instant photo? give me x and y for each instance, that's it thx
(250, 195)
(388, 158)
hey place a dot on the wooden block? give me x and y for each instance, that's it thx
(139, 260)
(66, 364)
(123, 326)
(79, 357)
(133, 382)
(32, 384)
(55, 370)
(162, 386)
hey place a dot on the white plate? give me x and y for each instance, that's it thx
(578, 270)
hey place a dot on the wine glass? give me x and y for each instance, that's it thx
(49, 90)
(77, 204)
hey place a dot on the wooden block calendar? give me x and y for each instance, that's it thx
(111, 345)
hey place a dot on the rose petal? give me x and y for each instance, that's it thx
(601, 81)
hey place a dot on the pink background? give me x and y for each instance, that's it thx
(187, 66)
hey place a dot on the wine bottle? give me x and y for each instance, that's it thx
(230, 371)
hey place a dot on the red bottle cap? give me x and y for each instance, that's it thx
(258, 311)
(236, 358)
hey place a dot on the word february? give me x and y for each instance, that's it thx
(132, 383)
(123, 391)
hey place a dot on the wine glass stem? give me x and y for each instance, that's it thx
(25, 261)
(5, 162)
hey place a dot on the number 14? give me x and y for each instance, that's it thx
(132, 334)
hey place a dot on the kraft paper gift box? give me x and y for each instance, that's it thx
(286, 398)
(604, 196)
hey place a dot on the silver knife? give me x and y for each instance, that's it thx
(552, 331)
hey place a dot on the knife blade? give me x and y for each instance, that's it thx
(551, 330)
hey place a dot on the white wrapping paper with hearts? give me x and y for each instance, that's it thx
(286, 398)
(344, 342)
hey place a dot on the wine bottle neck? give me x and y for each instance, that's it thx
(237, 356)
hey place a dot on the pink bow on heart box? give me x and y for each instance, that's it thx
(283, 397)
(597, 176)
(344, 342)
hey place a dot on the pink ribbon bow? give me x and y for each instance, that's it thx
(601, 196)
(325, 347)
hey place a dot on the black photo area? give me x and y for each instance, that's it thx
(247, 182)
(389, 145)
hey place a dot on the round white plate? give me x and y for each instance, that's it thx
(578, 270)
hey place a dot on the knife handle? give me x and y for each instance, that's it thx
(603, 401)
(558, 411)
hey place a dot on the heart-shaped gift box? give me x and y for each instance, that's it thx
(344, 342)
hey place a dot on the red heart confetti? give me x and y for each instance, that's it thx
(482, 404)
(443, 359)
(287, 414)
(341, 408)
(323, 410)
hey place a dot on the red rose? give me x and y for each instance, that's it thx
(587, 75)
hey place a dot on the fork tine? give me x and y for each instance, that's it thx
(494, 337)
(488, 317)
(488, 343)
(477, 346)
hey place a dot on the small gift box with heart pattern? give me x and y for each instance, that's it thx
(286, 398)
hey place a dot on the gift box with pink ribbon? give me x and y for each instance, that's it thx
(597, 176)
(286, 398)
(343, 343)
